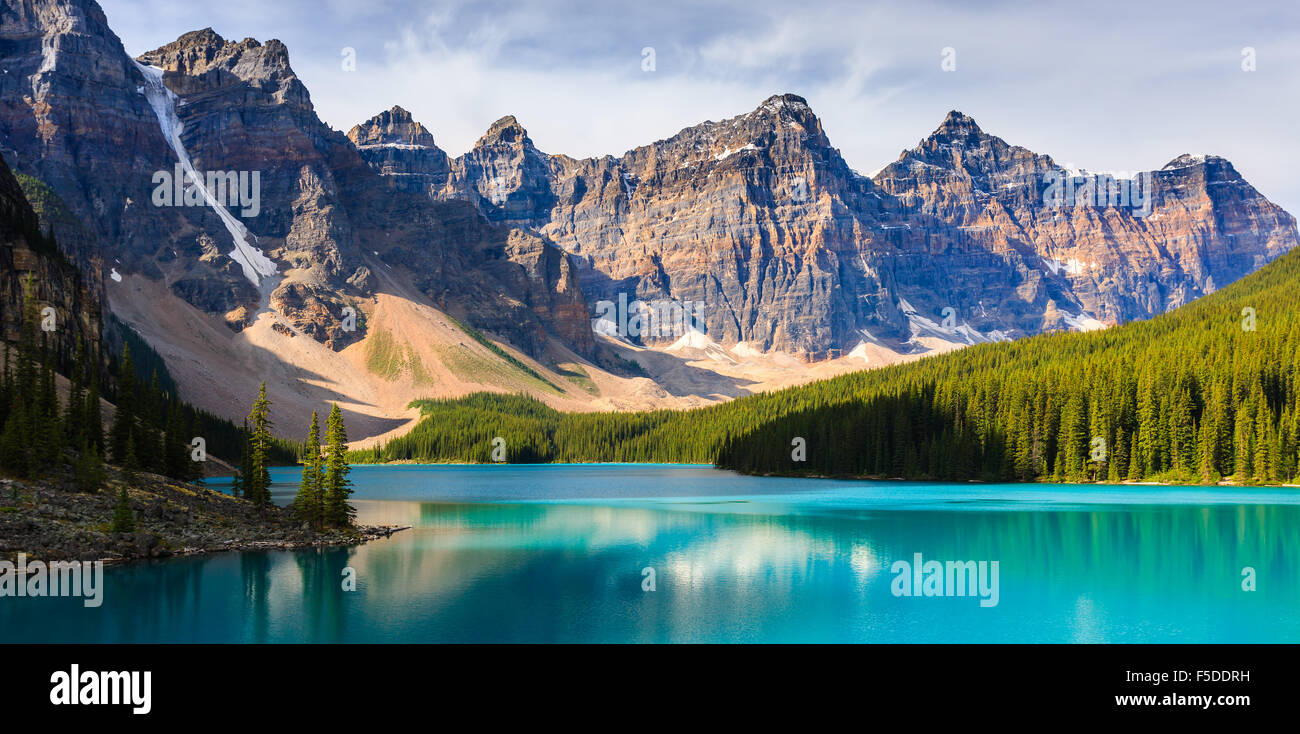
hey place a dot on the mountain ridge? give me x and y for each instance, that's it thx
(803, 267)
(960, 221)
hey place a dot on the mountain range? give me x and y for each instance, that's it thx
(378, 268)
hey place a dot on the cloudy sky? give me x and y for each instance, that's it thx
(1100, 85)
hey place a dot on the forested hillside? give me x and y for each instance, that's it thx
(1199, 394)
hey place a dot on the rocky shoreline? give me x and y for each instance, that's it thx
(49, 520)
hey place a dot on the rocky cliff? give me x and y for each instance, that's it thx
(227, 222)
(789, 249)
(397, 146)
(32, 267)
(103, 129)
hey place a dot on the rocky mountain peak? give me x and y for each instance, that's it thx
(205, 37)
(191, 53)
(508, 132)
(959, 147)
(779, 110)
(958, 123)
(788, 104)
(1187, 160)
(958, 131)
(208, 61)
(783, 126)
(391, 127)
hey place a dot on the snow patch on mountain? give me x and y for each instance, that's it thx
(1082, 322)
(745, 351)
(1073, 266)
(607, 327)
(695, 340)
(860, 352)
(163, 101)
(962, 333)
(728, 152)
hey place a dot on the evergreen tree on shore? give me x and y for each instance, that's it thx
(239, 484)
(309, 504)
(257, 477)
(338, 513)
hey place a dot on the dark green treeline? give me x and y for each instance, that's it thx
(43, 429)
(1208, 391)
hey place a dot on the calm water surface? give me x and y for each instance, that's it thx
(556, 554)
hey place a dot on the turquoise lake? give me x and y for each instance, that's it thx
(556, 553)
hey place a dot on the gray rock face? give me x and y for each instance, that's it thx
(508, 178)
(32, 268)
(397, 146)
(75, 115)
(761, 219)
(68, 108)
(1204, 228)
(758, 217)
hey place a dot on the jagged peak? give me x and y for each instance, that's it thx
(197, 51)
(1187, 160)
(785, 100)
(785, 106)
(958, 144)
(201, 37)
(957, 123)
(778, 105)
(505, 131)
(394, 126)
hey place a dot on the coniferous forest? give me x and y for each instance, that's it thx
(1204, 393)
(151, 430)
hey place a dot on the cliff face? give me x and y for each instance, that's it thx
(1204, 228)
(100, 128)
(31, 266)
(758, 217)
(761, 219)
(71, 117)
(397, 146)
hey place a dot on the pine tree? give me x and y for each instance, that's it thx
(1244, 441)
(239, 483)
(123, 518)
(6, 386)
(1206, 448)
(150, 425)
(1181, 436)
(93, 426)
(19, 450)
(45, 438)
(338, 513)
(309, 503)
(74, 420)
(123, 428)
(89, 470)
(176, 447)
(258, 476)
(130, 464)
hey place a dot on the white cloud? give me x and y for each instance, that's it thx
(1106, 85)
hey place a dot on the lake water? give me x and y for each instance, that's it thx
(558, 553)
